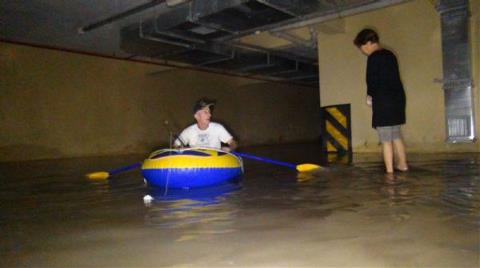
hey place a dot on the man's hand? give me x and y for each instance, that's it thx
(226, 149)
(232, 145)
(369, 100)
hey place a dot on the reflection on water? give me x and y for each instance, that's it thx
(183, 208)
(50, 215)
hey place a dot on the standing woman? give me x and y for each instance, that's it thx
(386, 96)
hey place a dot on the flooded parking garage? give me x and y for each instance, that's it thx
(341, 215)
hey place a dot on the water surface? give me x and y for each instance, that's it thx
(341, 215)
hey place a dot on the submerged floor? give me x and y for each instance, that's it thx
(342, 215)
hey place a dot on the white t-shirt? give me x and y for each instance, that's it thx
(210, 137)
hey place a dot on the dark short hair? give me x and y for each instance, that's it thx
(202, 103)
(364, 36)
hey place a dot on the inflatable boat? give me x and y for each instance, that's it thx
(191, 168)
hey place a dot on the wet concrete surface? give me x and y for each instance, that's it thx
(345, 214)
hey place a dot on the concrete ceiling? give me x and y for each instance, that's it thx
(267, 39)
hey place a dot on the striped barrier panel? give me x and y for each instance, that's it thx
(336, 130)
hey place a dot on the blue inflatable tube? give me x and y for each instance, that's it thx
(190, 168)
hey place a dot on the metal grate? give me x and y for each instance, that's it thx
(459, 127)
(457, 82)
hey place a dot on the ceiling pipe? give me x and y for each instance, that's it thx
(295, 58)
(306, 21)
(227, 58)
(160, 39)
(119, 16)
(316, 18)
(295, 40)
(172, 3)
(284, 10)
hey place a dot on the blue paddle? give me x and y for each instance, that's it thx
(300, 168)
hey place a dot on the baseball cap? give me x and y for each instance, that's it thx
(202, 103)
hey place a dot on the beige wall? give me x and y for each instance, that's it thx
(56, 104)
(412, 31)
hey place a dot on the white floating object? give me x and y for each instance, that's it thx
(147, 199)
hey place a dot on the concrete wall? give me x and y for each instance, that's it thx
(412, 31)
(56, 104)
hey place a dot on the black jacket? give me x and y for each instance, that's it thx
(386, 89)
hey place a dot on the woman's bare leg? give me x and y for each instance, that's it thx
(387, 149)
(400, 155)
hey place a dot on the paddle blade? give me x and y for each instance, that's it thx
(100, 175)
(307, 167)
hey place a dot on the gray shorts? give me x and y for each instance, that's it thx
(389, 133)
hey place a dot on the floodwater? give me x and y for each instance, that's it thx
(344, 215)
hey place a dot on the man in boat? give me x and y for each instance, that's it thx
(205, 133)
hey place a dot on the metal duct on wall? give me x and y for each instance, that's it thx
(457, 79)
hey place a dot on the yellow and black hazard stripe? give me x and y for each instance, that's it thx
(336, 129)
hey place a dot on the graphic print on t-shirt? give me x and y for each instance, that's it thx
(203, 139)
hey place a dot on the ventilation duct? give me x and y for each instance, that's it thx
(457, 81)
(190, 33)
(205, 33)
